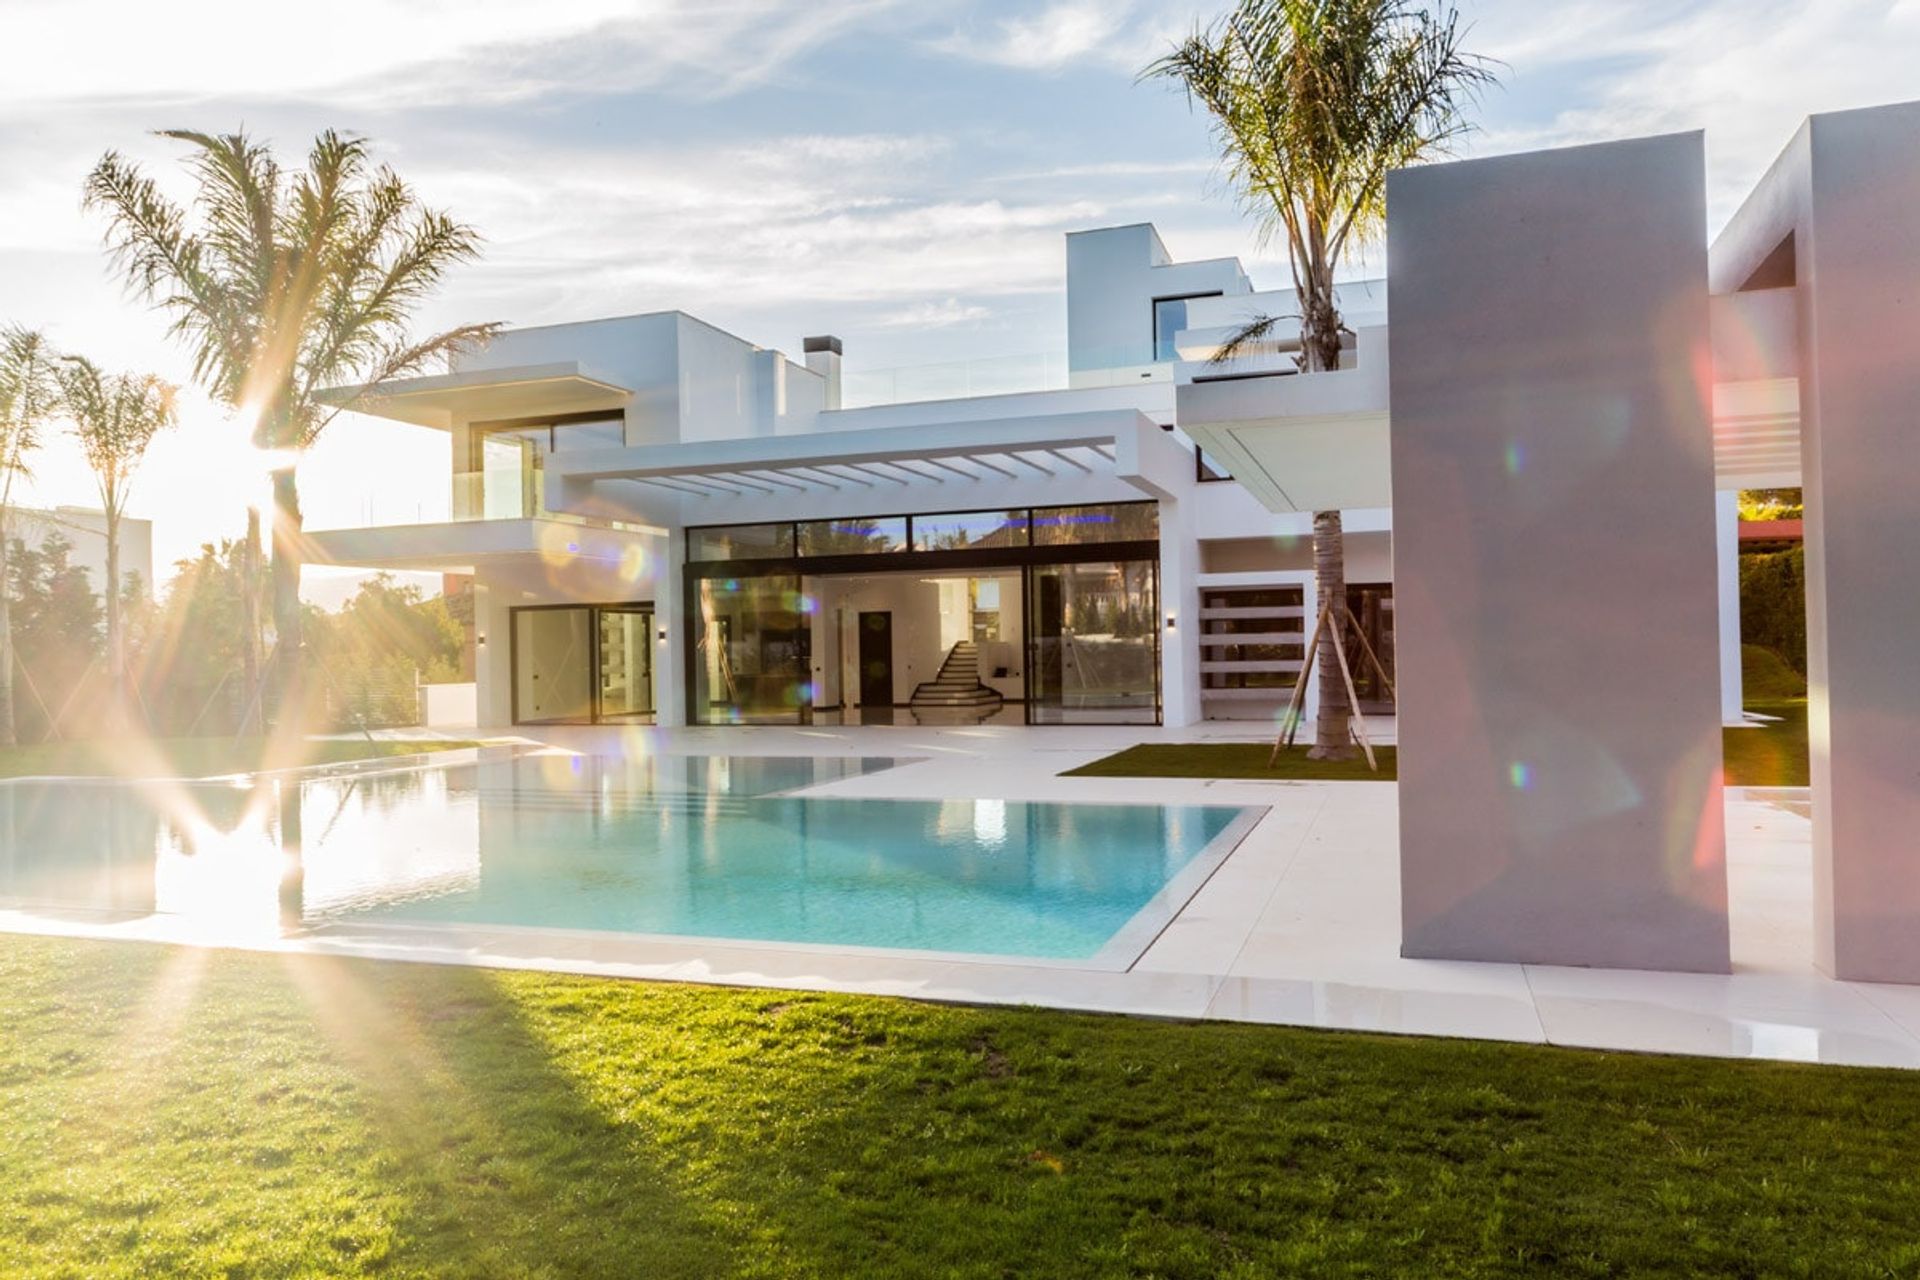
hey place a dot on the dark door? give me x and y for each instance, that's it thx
(876, 659)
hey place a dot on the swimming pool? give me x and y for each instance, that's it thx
(677, 846)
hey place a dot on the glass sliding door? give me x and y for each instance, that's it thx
(553, 665)
(750, 651)
(582, 663)
(625, 663)
(1093, 643)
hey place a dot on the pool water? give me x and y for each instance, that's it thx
(692, 846)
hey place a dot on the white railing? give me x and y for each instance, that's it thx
(998, 375)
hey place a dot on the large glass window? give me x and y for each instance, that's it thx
(969, 529)
(1104, 522)
(507, 461)
(1093, 643)
(1169, 318)
(625, 663)
(751, 651)
(582, 664)
(741, 542)
(856, 537)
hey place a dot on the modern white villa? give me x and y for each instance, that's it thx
(1546, 411)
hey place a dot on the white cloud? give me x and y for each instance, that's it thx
(405, 51)
(1114, 33)
(934, 315)
(1746, 71)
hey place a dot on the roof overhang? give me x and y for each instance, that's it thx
(1312, 442)
(513, 391)
(465, 546)
(1321, 441)
(1053, 459)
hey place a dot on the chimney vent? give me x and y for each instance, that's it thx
(823, 357)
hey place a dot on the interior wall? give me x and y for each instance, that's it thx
(920, 622)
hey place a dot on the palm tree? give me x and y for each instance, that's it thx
(282, 286)
(1313, 103)
(116, 417)
(28, 397)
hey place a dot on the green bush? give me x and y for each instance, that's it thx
(1766, 677)
(1773, 604)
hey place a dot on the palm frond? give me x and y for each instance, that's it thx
(1313, 103)
(29, 397)
(281, 284)
(115, 417)
(1258, 329)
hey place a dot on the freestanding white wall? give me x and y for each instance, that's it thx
(1555, 581)
(1841, 210)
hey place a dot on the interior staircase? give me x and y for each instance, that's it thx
(957, 687)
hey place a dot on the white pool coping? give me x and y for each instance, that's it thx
(1297, 925)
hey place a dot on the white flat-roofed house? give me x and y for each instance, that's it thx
(85, 531)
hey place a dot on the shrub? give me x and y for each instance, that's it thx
(1773, 604)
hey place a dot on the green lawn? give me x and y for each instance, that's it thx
(181, 1112)
(1772, 756)
(194, 757)
(1233, 760)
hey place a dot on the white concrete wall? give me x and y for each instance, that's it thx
(691, 381)
(450, 706)
(555, 577)
(1113, 276)
(1846, 189)
(1559, 726)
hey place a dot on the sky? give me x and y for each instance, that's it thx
(900, 173)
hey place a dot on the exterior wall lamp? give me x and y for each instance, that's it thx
(1169, 622)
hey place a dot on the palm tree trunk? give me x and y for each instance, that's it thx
(1330, 735)
(288, 687)
(116, 655)
(250, 615)
(1320, 332)
(9, 736)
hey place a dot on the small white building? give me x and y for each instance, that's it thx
(85, 530)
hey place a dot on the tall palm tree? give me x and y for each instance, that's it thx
(1313, 103)
(28, 397)
(116, 417)
(283, 285)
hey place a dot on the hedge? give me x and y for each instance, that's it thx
(1773, 604)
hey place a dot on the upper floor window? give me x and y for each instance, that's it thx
(1169, 318)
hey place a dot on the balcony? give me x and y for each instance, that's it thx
(504, 493)
(1003, 375)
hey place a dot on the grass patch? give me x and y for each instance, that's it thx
(173, 1112)
(196, 757)
(1766, 677)
(1773, 755)
(1233, 760)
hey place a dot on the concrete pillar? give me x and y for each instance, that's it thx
(1554, 577)
(671, 655)
(1180, 601)
(492, 653)
(1726, 513)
